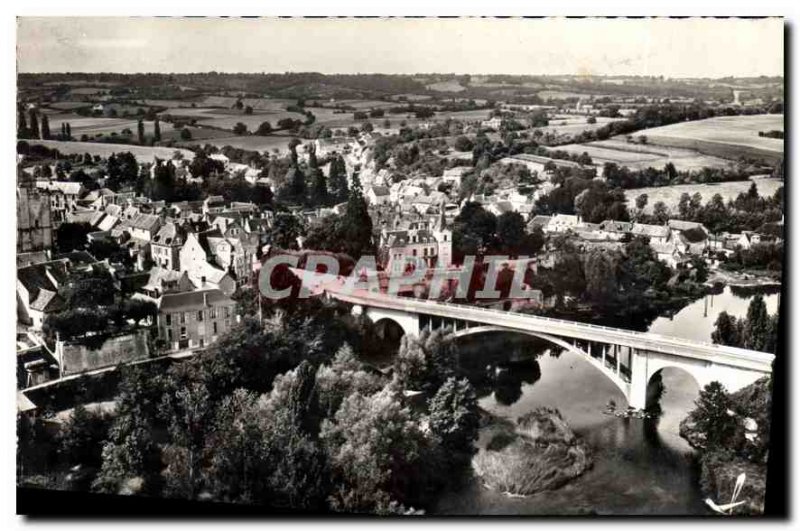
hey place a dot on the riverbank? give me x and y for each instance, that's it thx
(745, 279)
(539, 452)
(745, 452)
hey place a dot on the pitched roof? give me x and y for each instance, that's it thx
(108, 223)
(31, 258)
(159, 275)
(147, 222)
(170, 234)
(193, 300)
(678, 224)
(650, 231)
(64, 187)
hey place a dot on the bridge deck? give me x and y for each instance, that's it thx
(742, 358)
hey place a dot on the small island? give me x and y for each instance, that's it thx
(539, 452)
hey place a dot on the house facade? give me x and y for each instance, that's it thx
(194, 319)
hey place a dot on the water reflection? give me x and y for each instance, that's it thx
(640, 466)
(696, 320)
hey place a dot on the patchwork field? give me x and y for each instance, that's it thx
(254, 143)
(142, 153)
(258, 104)
(574, 125)
(724, 136)
(446, 86)
(224, 118)
(639, 157)
(68, 105)
(671, 195)
(361, 104)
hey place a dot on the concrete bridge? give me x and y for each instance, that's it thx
(629, 359)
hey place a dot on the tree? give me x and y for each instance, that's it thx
(727, 330)
(712, 417)
(285, 230)
(156, 130)
(140, 130)
(22, 123)
(81, 437)
(191, 413)
(356, 222)
(373, 445)
(319, 189)
(90, 290)
(239, 129)
(660, 211)
(130, 452)
(600, 272)
(248, 110)
(424, 363)
(591, 120)
(45, 128)
(641, 202)
(454, 418)
(337, 180)
(34, 124)
(473, 230)
(72, 236)
(757, 327)
(510, 232)
(264, 129)
(463, 144)
(186, 134)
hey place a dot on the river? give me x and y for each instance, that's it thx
(640, 467)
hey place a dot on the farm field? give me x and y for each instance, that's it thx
(361, 104)
(258, 104)
(446, 86)
(723, 136)
(253, 142)
(671, 195)
(142, 153)
(227, 119)
(68, 105)
(573, 126)
(639, 157)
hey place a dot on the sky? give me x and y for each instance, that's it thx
(660, 47)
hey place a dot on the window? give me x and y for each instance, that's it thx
(183, 332)
(227, 311)
(202, 342)
(182, 318)
(200, 316)
(168, 317)
(215, 328)
(169, 334)
(212, 313)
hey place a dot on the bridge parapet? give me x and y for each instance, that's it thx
(708, 352)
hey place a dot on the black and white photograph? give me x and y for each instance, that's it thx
(393, 266)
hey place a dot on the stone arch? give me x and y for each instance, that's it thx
(622, 385)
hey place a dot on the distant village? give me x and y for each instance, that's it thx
(194, 259)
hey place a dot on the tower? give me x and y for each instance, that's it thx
(444, 239)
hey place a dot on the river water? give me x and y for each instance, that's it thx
(640, 467)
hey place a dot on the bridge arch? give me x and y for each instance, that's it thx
(621, 384)
(389, 330)
(654, 386)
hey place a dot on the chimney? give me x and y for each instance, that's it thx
(205, 299)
